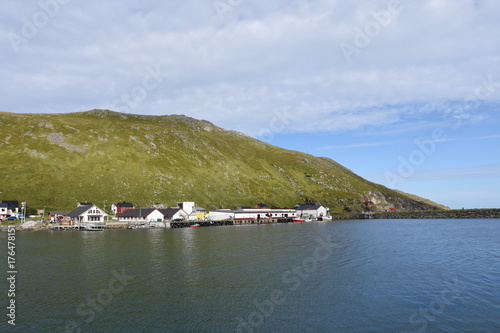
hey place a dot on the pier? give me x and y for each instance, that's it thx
(189, 224)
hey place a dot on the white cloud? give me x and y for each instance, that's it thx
(262, 57)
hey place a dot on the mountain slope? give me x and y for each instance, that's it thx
(56, 160)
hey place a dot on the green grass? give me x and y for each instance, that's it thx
(108, 157)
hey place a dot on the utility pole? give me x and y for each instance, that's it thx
(23, 210)
(106, 214)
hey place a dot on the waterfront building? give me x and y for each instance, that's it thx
(141, 215)
(312, 211)
(87, 212)
(4, 211)
(119, 207)
(251, 214)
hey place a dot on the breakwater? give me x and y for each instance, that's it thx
(427, 214)
(441, 214)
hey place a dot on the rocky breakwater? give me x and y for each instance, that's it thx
(442, 214)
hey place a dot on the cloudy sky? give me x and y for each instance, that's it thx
(405, 93)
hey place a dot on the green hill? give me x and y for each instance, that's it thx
(56, 160)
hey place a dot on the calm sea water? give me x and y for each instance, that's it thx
(347, 276)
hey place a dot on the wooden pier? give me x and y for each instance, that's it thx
(199, 224)
(228, 222)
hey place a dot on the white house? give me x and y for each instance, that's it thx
(187, 207)
(87, 213)
(313, 212)
(173, 214)
(4, 211)
(153, 216)
(142, 215)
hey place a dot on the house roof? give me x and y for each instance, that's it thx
(58, 213)
(11, 203)
(141, 212)
(144, 212)
(125, 204)
(4, 205)
(79, 211)
(169, 212)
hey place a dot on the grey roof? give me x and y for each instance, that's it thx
(79, 211)
(169, 212)
(11, 203)
(125, 204)
(142, 212)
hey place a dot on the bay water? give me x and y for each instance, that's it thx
(333, 276)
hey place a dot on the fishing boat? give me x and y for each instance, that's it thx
(302, 219)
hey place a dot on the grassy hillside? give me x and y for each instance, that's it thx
(56, 160)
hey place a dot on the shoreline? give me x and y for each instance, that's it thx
(443, 214)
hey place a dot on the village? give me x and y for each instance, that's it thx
(88, 216)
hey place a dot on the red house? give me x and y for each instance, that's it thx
(123, 206)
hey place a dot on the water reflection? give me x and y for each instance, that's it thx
(159, 247)
(190, 255)
(92, 256)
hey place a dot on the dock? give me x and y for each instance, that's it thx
(189, 224)
(227, 222)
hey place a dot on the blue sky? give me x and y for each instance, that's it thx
(405, 93)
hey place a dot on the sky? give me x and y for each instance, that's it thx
(404, 93)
